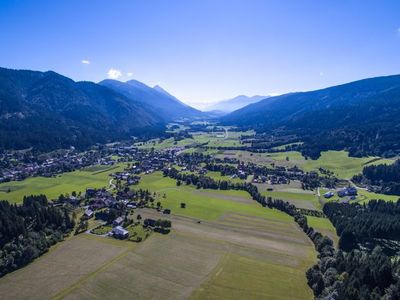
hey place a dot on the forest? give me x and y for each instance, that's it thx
(382, 178)
(357, 224)
(28, 230)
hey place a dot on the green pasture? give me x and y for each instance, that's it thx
(209, 206)
(52, 187)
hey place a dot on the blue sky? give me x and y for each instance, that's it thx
(205, 50)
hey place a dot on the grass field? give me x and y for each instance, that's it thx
(218, 176)
(209, 206)
(324, 226)
(222, 245)
(338, 162)
(232, 140)
(52, 187)
(341, 164)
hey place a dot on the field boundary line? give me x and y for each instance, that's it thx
(63, 293)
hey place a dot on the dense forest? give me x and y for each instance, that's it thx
(381, 178)
(360, 224)
(28, 230)
(355, 275)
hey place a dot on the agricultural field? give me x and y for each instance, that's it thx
(218, 176)
(203, 204)
(338, 162)
(227, 139)
(52, 187)
(292, 193)
(324, 226)
(222, 245)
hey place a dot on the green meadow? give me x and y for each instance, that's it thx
(204, 204)
(52, 187)
(338, 162)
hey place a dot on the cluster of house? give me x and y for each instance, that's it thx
(350, 192)
(271, 179)
(16, 168)
(127, 176)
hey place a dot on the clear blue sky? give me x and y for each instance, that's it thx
(205, 50)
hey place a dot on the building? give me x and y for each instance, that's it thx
(88, 213)
(120, 233)
(118, 221)
(349, 191)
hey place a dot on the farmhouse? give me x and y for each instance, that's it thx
(118, 221)
(349, 191)
(88, 213)
(329, 194)
(120, 232)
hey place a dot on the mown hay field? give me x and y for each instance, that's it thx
(223, 245)
(52, 187)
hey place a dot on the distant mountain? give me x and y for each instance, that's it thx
(168, 107)
(48, 111)
(362, 117)
(230, 105)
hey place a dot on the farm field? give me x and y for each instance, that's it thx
(204, 204)
(217, 232)
(338, 162)
(232, 140)
(62, 267)
(52, 187)
(292, 193)
(218, 176)
(324, 226)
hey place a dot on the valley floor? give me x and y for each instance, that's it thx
(239, 250)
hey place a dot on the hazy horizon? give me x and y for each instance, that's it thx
(207, 51)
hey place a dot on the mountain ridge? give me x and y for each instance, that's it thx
(346, 116)
(230, 105)
(168, 106)
(47, 110)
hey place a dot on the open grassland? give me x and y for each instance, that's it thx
(230, 139)
(222, 245)
(292, 193)
(52, 187)
(338, 162)
(204, 204)
(218, 176)
(324, 226)
(341, 164)
(65, 265)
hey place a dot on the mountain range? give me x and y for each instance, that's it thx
(47, 111)
(230, 105)
(362, 117)
(167, 106)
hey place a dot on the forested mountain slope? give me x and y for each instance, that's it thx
(48, 111)
(362, 117)
(165, 104)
